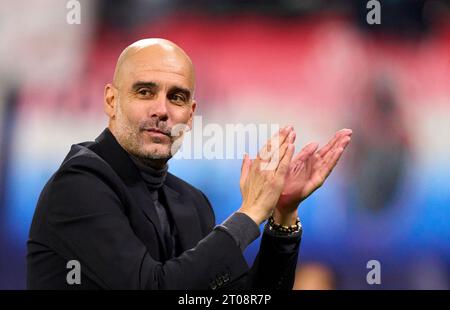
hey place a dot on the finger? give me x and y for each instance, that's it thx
(274, 143)
(332, 142)
(277, 142)
(278, 138)
(328, 167)
(323, 150)
(306, 152)
(342, 143)
(285, 161)
(272, 159)
(245, 168)
(345, 141)
(277, 155)
(313, 162)
(327, 157)
(281, 151)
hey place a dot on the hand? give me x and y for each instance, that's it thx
(262, 179)
(308, 171)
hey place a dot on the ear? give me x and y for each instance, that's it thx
(191, 115)
(109, 100)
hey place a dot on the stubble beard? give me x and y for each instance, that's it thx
(131, 138)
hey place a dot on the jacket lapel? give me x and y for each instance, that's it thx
(111, 151)
(185, 217)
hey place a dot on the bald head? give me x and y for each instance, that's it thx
(153, 54)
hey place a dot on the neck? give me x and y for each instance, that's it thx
(156, 164)
(153, 172)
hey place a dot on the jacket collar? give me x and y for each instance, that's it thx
(184, 213)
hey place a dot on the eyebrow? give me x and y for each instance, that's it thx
(153, 85)
(139, 84)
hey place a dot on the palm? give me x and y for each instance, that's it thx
(309, 169)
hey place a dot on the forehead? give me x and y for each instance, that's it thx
(158, 66)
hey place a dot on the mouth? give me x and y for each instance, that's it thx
(154, 132)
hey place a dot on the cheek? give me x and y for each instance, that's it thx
(133, 112)
(180, 115)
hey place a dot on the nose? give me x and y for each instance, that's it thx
(158, 108)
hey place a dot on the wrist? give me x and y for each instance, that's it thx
(257, 217)
(285, 218)
(286, 204)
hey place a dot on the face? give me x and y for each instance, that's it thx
(152, 94)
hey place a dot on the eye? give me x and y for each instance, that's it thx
(144, 92)
(178, 98)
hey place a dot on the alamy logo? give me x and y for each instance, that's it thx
(374, 15)
(74, 14)
(374, 275)
(230, 141)
(74, 275)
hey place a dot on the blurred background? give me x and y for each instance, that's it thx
(315, 64)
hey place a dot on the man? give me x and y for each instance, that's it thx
(114, 209)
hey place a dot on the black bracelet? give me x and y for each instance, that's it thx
(285, 229)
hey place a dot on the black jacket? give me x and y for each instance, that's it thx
(96, 209)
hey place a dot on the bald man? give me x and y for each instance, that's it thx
(113, 217)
